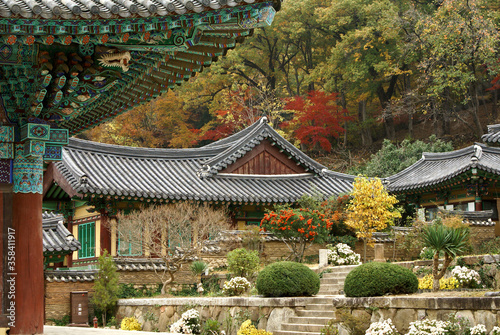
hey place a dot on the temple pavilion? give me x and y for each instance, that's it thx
(66, 66)
(248, 172)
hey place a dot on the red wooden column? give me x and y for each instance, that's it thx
(105, 232)
(27, 280)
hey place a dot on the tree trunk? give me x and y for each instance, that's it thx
(494, 107)
(364, 250)
(366, 137)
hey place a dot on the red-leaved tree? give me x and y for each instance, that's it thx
(318, 119)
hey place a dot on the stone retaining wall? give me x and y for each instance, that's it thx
(156, 314)
(405, 309)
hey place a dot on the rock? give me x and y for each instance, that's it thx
(403, 318)
(163, 321)
(169, 311)
(487, 318)
(492, 294)
(277, 317)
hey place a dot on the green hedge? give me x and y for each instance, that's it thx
(376, 279)
(287, 279)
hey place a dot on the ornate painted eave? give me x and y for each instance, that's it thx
(75, 64)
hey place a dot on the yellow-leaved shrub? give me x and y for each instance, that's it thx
(130, 324)
(444, 283)
(247, 328)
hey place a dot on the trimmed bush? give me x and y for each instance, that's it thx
(287, 279)
(376, 279)
(243, 263)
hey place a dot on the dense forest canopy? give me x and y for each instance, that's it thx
(336, 76)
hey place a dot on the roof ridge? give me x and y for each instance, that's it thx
(259, 131)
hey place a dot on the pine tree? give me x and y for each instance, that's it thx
(106, 285)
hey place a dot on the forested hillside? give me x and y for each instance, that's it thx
(338, 77)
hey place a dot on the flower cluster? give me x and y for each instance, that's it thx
(427, 282)
(342, 254)
(426, 326)
(466, 277)
(236, 286)
(189, 323)
(386, 327)
(478, 330)
(247, 328)
(130, 324)
(495, 331)
(302, 223)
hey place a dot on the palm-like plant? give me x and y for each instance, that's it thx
(198, 268)
(450, 241)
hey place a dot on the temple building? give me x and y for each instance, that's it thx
(465, 180)
(249, 172)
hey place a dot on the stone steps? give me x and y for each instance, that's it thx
(315, 316)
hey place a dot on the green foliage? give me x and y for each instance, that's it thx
(211, 327)
(64, 321)
(345, 239)
(393, 158)
(106, 287)
(132, 291)
(489, 247)
(452, 241)
(243, 263)
(287, 279)
(376, 279)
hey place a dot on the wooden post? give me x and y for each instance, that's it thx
(5, 224)
(105, 233)
(27, 277)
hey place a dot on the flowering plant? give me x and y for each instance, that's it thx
(189, 323)
(342, 254)
(427, 326)
(444, 283)
(236, 286)
(466, 277)
(247, 328)
(478, 330)
(385, 327)
(130, 323)
(298, 228)
(495, 331)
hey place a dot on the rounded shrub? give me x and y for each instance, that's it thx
(287, 279)
(375, 279)
(243, 263)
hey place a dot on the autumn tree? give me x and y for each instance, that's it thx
(174, 234)
(460, 41)
(317, 120)
(297, 228)
(371, 209)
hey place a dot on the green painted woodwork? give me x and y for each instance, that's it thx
(86, 236)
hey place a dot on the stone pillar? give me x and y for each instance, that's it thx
(323, 257)
(379, 252)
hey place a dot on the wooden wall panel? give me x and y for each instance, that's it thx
(264, 159)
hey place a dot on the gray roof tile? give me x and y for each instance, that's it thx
(181, 174)
(493, 135)
(56, 237)
(435, 168)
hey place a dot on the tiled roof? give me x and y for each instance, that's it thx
(477, 218)
(70, 275)
(493, 135)
(180, 174)
(109, 9)
(56, 238)
(435, 168)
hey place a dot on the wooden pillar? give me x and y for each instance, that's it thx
(69, 225)
(114, 240)
(5, 224)
(27, 277)
(105, 233)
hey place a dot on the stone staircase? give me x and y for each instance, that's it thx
(316, 315)
(333, 283)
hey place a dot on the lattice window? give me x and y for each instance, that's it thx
(86, 236)
(129, 245)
